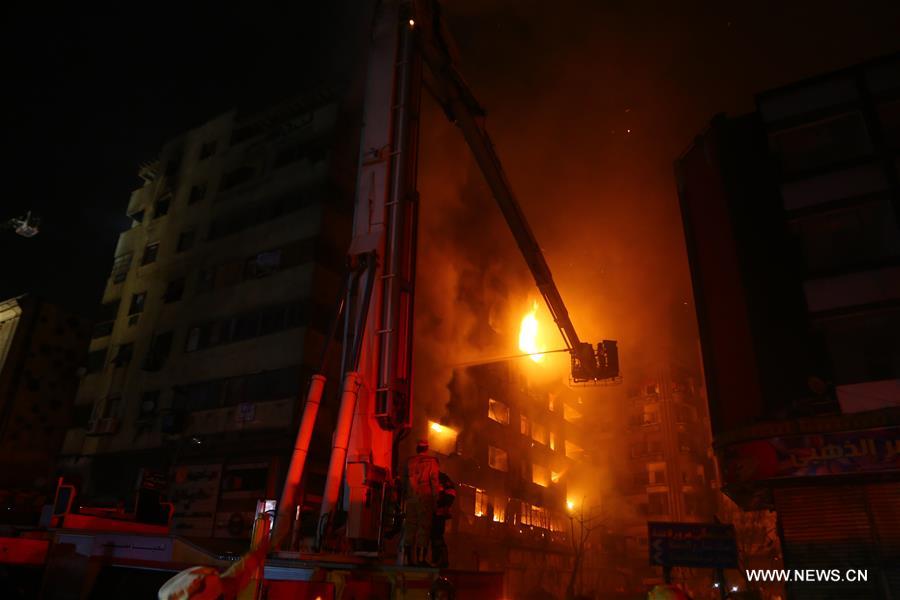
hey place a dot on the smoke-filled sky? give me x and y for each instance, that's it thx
(588, 102)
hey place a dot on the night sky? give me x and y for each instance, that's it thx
(591, 100)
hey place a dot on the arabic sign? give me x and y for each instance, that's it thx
(701, 545)
(838, 453)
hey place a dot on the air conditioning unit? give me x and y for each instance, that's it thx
(103, 426)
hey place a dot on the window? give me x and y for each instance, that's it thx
(174, 290)
(821, 144)
(524, 425)
(95, 360)
(657, 473)
(499, 509)
(551, 401)
(236, 177)
(498, 459)
(149, 404)
(207, 149)
(552, 440)
(264, 263)
(539, 433)
(172, 166)
(889, 116)
(206, 278)
(691, 503)
(658, 503)
(540, 475)
(150, 253)
(185, 240)
(441, 438)
(161, 207)
(123, 355)
(137, 303)
(120, 267)
(481, 502)
(198, 192)
(641, 478)
(498, 411)
(158, 351)
(570, 414)
(574, 451)
(650, 415)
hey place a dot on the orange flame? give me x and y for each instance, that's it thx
(528, 332)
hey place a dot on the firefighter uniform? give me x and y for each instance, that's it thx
(422, 486)
(445, 498)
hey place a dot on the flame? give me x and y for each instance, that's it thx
(528, 332)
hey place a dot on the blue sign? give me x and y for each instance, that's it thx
(701, 545)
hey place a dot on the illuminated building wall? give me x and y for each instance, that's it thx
(215, 311)
(519, 454)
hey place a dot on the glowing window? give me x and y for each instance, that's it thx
(500, 508)
(540, 475)
(441, 438)
(481, 502)
(539, 433)
(551, 401)
(552, 440)
(524, 425)
(571, 414)
(498, 459)
(555, 476)
(498, 411)
(574, 451)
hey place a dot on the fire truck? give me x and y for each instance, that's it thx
(410, 51)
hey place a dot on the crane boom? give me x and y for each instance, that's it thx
(461, 107)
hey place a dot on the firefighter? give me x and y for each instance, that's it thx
(445, 498)
(421, 490)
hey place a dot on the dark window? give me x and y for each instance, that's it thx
(206, 279)
(161, 207)
(124, 354)
(272, 320)
(236, 177)
(658, 503)
(198, 192)
(264, 263)
(120, 267)
(81, 415)
(207, 150)
(95, 360)
(137, 216)
(821, 144)
(186, 240)
(150, 253)
(172, 166)
(137, 303)
(158, 351)
(692, 504)
(174, 290)
(889, 115)
(247, 326)
(149, 403)
(192, 341)
(850, 236)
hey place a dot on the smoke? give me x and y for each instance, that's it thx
(588, 105)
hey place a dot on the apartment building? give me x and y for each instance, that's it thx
(518, 452)
(215, 314)
(43, 347)
(792, 221)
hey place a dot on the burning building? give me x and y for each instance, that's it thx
(519, 453)
(215, 313)
(792, 220)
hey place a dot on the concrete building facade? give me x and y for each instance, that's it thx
(792, 221)
(43, 348)
(519, 453)
(215, 314)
